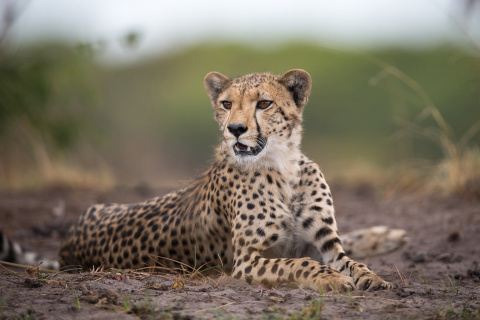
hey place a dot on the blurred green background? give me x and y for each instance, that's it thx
(151, 122)
(68, 119)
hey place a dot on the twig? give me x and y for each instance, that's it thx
(209, 309)
(24, 266)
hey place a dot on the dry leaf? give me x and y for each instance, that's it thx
(178, 285)
(272, 296)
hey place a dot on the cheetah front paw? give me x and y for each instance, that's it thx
(337, 282)
(372, 282)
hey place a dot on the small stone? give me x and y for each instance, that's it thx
(32, 283)
(421, 258)
(454, 236)
(445, 257)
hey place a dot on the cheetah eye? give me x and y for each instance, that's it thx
(227, 105)
(264, 104)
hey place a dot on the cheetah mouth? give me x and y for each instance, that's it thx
(243, 150)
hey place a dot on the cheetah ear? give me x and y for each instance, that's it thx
(214, 84)
(298, 83)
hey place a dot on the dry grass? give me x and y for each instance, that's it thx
(20, 170)
(458, 172)
(404, 280)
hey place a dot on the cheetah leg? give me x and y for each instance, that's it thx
(250, 263)
(332, 253)
(306, 272)
(373, 241)
(326, 240)
(316, 225)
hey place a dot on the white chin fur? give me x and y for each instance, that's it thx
(276, 155)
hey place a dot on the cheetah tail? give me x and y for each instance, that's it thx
(11, 251)
(373, 241)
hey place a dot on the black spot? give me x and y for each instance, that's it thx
(307, 223)
(316, 208)
(269, 179)
(299, 272)
(261, 271)
(248, 269)
(250, 206)
(261, 232)
(323, 186)
(327, 246)
(329, 202)
(328, 220)
(274, 268)
(322, 232)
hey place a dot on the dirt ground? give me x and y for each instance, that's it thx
(435, 276)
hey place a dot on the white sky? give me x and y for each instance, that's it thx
(167, 25)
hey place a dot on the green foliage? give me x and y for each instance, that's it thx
(50, 89)
(3, 302)
(48, 96)
(312, 311)
(157, 114)
(348, 108)
(451, 285)
(76, 299)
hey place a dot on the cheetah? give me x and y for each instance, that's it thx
(263, 210)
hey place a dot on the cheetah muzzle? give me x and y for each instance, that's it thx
(263, 210)
(245, 151)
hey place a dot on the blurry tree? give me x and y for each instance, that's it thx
(46, 94)
(48, 89)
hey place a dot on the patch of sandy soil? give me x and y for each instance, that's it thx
(435, 276)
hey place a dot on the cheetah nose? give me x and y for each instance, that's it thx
(237, 129)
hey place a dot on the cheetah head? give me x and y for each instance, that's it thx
(259, 114)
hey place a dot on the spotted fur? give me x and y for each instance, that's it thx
(263, 208)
